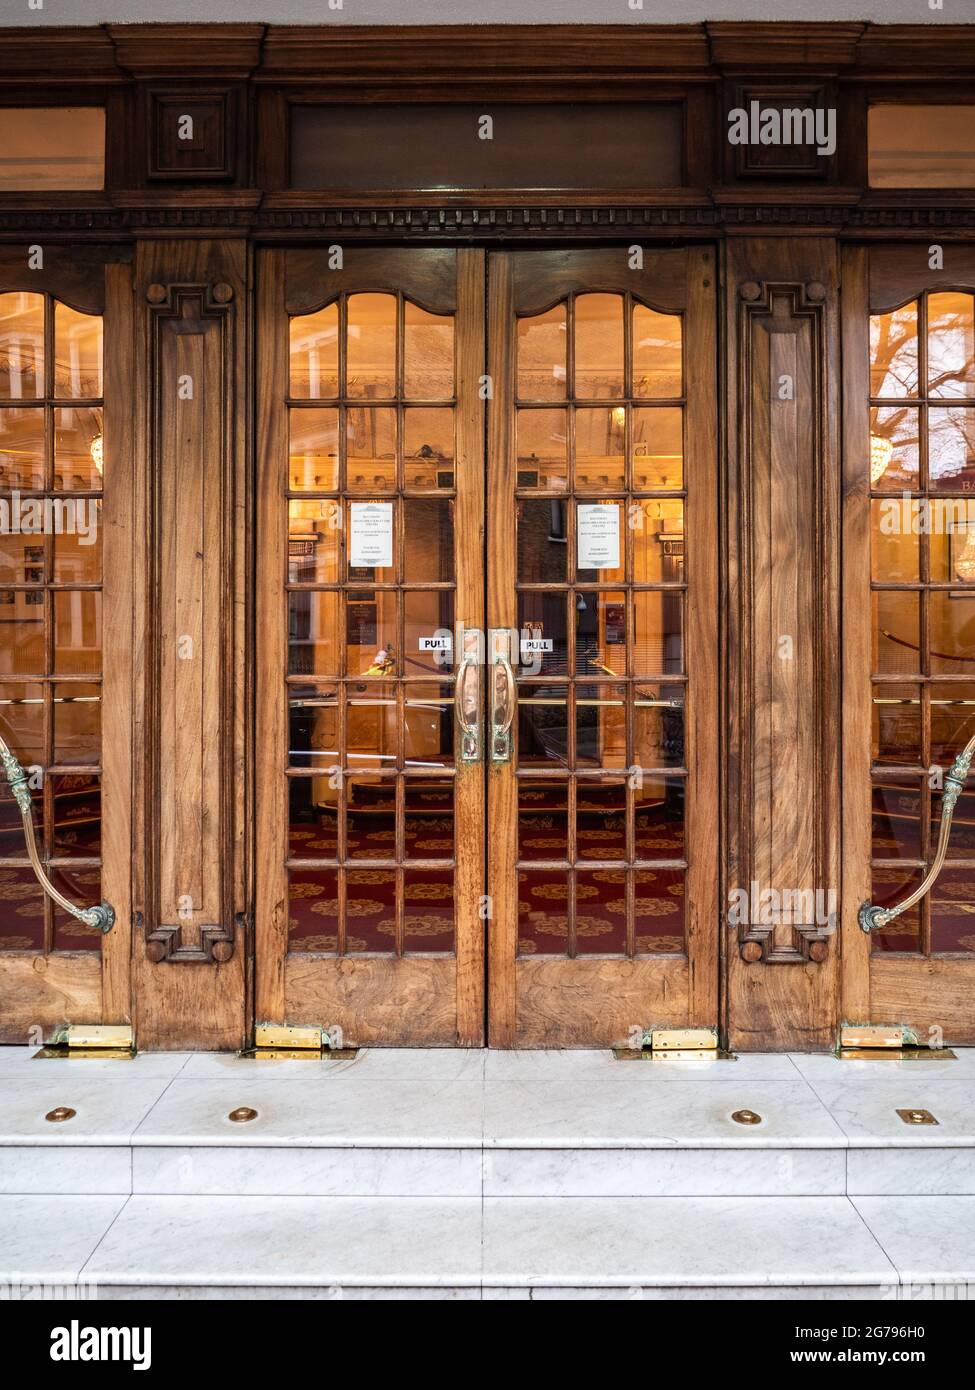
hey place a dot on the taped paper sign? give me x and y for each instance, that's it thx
(598, 535)
(371, 534)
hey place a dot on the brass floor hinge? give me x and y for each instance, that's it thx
(115, 1040)
(681, 1044)
(871, 1042)
(279, 1040)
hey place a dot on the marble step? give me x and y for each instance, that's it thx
(182, 1247)
(473, 1125)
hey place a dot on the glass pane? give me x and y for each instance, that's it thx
(896, 820)
(952, 720)
(77, 817)
(313, 542)
(961, 844)
(659, 914)
(658, 726)
(542, 542)
(543, 726)
(428, 729)
(52, 147)
(22, 899)
(542, 341)
(370, 449)
(79, 449)
(951, 344)
(541, 449)
(77, 633)
(600, 534)
(428, 618)
(313, 451)
(542, 634)
(313, 727)
(599, 346)
(601, 725)
(371, 729)
(896, 724)
(543, 820)
(951, 632)
(428, 448)
(543, 918)
(371, 349)
(83, 885)
(904, 933)
(657, 449)
(658, 648)
(921, 146)
(894, 456)
(952, 905)
(77, 354)
(894, 539)
(313, 910)
(893, 352)
(371, 810)
(22, 724)
(659, 818)
(428, 910)
(77, 724)
(601, 912)
(600, 821)
(951, 544)
(657, 538)
(313, 818)
(429, 354)
(896, 633)
(315, 354)
(429, 819)
(599, 448)
(951, 448)
(22, 619)
(78, 547)
(313, 647)
(370, 635)
(20, 563)
(21, 346)
(370, 904)
(21, 449)
(428, 540)
(656, 353)
(600, 633)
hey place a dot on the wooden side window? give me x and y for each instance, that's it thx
(51, 465)
(921, 146)
(52, 147)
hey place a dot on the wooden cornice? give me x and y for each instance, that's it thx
(385, 58)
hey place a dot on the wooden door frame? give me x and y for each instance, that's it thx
(621, 984)
(399, 993)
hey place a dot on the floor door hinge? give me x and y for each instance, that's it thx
(892, 1042)
(289, 1040)
(115, 1040)
(661, 1044)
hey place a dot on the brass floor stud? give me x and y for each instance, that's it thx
(746, 1117)
(917, 1117)
(60, 1113)
(242, 1114)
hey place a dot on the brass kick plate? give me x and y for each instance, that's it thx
(114, 1040)
(917, 1117)
(683, 1039)
(896, 1054)
(882, 1035)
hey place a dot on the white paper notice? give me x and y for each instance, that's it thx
(371, 534)
(598, 536)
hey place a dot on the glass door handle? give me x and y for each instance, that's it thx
(502, 695)
(467, 696)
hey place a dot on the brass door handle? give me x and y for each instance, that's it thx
(102, 916)
(467, 696)
(502, 695)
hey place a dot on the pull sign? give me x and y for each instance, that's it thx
(535, 644)
(434, 644)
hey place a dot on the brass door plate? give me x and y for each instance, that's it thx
(685, 1054)
(896, 1054)
(879, 1035)
(917, 1117)
(297, 1054)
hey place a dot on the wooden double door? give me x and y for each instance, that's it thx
(486, 644)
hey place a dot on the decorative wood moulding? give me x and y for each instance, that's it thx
(190, 832)
(182, 50)
(785, 699)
